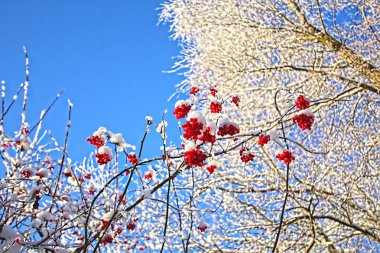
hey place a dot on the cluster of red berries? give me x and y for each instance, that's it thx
(304, 121)
(91, 191)
(236, 100)
(102, 158)
(131, 225)
(132, 158)
(228, 129)
(195, 157)
(27, 172)
(207, 136)
(148, 175)
(96, 141)
(213, 91)
(123, 201)
(202, 228)
(194, 90)
(302, 103)
(263, 139)
(104, 224)
(211, 168)
(193, 128)
(107, 239)
(181, 111)
(245, 155)
(286, 156)
(215, 107)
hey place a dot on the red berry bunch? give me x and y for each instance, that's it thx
(207, 136)
(213, 91)
(304, 121)
(236, 100)
(103, 158)
(202, 228)
(211, 168)
(194, 90)
(302, 103)
(132, 158)
(104, 224)
(286, 156)
(215, 107)
(123, 201)
(193, 128)
(96, 141)
(195, 157)
(118, 231)
(228, 129)
(263, 139)
(148, 175)
(91, 191)
(107, 239)
(181, 111)
(245, 155)
(67, 173)
(131, 225)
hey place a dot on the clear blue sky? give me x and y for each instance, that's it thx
(108, 56)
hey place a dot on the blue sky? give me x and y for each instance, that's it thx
(108, 56)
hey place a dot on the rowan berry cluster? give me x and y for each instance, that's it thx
(286, 156)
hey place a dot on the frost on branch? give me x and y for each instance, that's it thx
(227, 188)
(302, 51)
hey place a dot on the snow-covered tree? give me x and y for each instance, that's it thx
(273, 55)
(279, 122)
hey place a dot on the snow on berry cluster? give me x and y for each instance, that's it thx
(211, 125)
(245, 155)
(99, 139)
(227, 127)
(203, 127)
(304, 120)
(182, 108)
